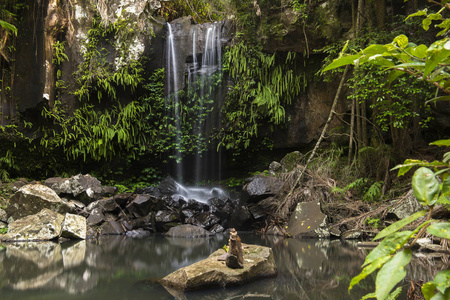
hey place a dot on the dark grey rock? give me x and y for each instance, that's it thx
(260, 187)
(141, 205)
(96, 217)
(111, 227)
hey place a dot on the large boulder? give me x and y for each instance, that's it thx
(46, 225)
(84, 188)
(74, 227)
(213, 273)
(308, 221)
(260, 187)
(187, 231)
(32, 198)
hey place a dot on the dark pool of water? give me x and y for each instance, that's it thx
(121, 267)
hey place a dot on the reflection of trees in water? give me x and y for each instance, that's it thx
(317, 269)
(111, 267)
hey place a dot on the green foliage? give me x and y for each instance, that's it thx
(3, 231)
(264, 85)
(429, 64)
(201, 11)
(373, 193)
(374, 222)
(391, 255)
(392, 103)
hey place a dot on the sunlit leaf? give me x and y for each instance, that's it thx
(399, 225)
(445, 143)
(389, 245)
(401, 40)
(342, 61)
(428, 290)
(440, 229)
(391, 273)
(369, 269)
(442, 281)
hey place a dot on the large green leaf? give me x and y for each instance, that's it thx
(342, 61)
(391, 273)
(442, 281)
(440, 229)
(445, 143)
(389, 245)
(425, 186)
(399, 225)
(369, 269)
(428, 290)
(434, 60)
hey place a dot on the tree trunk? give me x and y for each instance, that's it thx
(352, 130)
(365, 137)
(359, 17)
(380, 13)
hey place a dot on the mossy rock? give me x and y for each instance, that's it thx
(291, 160)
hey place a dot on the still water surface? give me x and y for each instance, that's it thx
(120, 267)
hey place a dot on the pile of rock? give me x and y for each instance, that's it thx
(153, 209)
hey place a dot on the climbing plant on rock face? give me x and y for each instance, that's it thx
(101, 126)
(263, 85)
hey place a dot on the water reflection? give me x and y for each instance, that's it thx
(128, 268)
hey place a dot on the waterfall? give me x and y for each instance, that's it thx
(199, 101)
(211, 62)
(172, 99)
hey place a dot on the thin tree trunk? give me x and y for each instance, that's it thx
(358, 125)
(365, 137)
(282, 205)
(352, 130)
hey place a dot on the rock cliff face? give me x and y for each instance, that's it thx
(51, 23)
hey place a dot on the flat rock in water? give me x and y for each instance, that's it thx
(212, 273)
(43, 226)
(187, 231)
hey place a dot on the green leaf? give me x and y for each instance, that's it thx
(445, 143)
(369, 296)
(428, 290)
(394, 295)
(389, 245)
(440, 229)
(401, 40)
(418, 14)
(442, 281)
(394, 74)
(425, 186)
(420, 51)
(369, 269)
(342, 61)
(434, 60)
(391, 273)
(399, 225)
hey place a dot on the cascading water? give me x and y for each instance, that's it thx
(172, 99)
(201, 97)
(211, 63)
